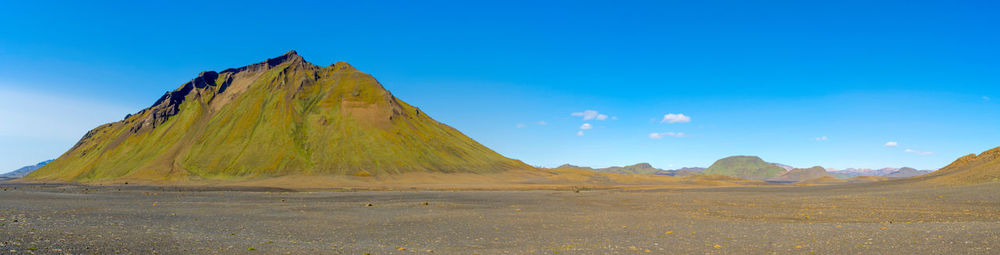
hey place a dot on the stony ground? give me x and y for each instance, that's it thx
(843, 219)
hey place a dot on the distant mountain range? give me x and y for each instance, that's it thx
(970, 169)
(21, 172)
(887, 172)
(640, 168)
(755, 168)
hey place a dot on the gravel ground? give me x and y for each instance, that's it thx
(842, 219)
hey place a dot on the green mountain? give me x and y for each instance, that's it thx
(283, 116)
(970, 169)
(748, 167)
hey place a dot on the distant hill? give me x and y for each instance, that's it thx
(680, 172)
(783, 166)
(906, 172)
(640, 168)
(280, 117)
(801, 174)
(748, 167)
(969, 169)
(21, 172)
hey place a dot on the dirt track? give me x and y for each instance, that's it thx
(842, 219)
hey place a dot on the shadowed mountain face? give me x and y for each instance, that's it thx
(748, 167)
(21, 172)
(970, 169)
(283, 116)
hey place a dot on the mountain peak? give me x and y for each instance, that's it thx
(640, 166)
(290, 56)
(342, 66)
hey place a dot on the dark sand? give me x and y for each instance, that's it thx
(869, 218)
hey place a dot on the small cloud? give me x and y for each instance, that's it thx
(662, 135)
(590, 115)
(675, 118)
(986, 98)
(586, 126)
(821, 138)
(891, 144)
(614, 118)
(579, 133)
(921, 153)
(519, 125)
(541, 123)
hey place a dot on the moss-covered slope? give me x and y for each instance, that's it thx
(283, 116)
(749, 167)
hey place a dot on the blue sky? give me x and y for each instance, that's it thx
(768, 78)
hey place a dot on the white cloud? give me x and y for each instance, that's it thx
(661, 135)
(586, 126)
(590, 115)
(587, 115)
(921, 153)
(891, 144)
(675, 118)
(541, 123)
(579, 133)
(614, 117)
(519, 125)
(821, 138)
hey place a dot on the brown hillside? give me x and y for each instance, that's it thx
(970, 169)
